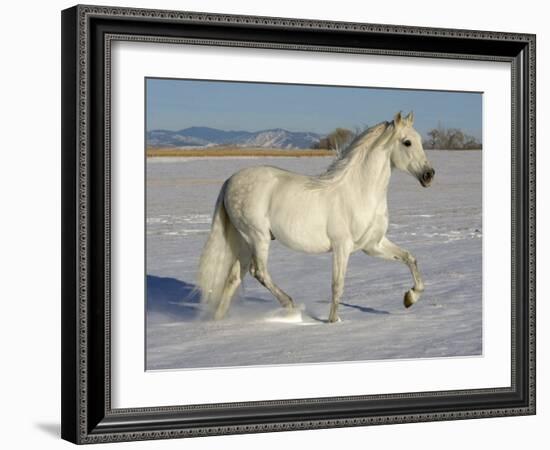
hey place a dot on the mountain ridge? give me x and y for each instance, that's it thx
(200, 136)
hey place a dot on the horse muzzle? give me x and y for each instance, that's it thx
(426, 177)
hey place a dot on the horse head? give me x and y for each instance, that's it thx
(407, 153)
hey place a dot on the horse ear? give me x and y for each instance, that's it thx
(409, 119)
(397, 119)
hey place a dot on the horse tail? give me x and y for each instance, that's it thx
(218, 255)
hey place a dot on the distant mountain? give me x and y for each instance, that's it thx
(207, 137)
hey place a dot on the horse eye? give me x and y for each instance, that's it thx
(407, 143)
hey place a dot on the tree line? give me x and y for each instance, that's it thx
(450, 139)
(438, 138)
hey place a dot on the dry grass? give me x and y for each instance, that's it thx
(234, 151)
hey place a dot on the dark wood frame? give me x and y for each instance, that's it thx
(87, 32)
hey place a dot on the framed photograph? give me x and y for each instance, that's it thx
(280, 224)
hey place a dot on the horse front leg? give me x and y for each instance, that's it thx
(339, 266)
(386, 249)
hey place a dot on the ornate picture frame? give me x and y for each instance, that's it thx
(88, 415)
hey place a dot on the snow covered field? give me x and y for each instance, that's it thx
(440, 225)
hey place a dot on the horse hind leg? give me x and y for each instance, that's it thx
(258, 269)
(232, 283)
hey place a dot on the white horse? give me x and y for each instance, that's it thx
(341, 211)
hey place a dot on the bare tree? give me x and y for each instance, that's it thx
(450, 139)
(336, 140)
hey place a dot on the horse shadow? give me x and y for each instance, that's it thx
(172, 300)
(365, 309)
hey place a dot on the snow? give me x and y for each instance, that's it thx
(440, 225)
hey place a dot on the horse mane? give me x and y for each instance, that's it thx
(351, 155)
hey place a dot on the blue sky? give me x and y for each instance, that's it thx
(177, 104)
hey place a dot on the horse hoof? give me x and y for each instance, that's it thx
(334, 319)
(411, 298)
